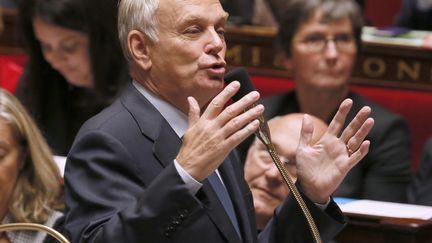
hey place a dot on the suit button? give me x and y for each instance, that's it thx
(170, 229)
(183, 213)
(176, 222)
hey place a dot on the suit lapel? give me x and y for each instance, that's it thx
(232, 183)
(141, 109)
(166, 147)
(166, 141)
(217, 214)
(167, 144)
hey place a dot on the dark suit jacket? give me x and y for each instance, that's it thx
(412, 17)
(384, 173)
(420, 190)
(122, 186)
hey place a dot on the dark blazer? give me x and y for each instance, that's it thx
(420, 190)
(121, 185)
(384, 173)
(412, 17)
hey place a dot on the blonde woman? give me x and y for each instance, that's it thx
(30, 185)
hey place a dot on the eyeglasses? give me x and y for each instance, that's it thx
(317, 43)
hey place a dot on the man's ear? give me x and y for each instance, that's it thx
(139, 50)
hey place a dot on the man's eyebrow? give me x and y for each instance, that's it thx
(193, 18)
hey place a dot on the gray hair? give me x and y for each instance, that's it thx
(137, 15)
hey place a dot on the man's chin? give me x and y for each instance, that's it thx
(217, 78)
(264, 209)
(265, 198)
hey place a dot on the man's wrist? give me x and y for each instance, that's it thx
(323, 206)
(192, 184)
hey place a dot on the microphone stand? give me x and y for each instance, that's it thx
(263, 134)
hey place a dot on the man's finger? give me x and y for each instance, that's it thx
(338, 121)
(355, 141)
(242, 120)
(359, 154)
(238, 107)
(355, 125)
(306, 131)
(194, 111)
(217, 104)
(239, 136)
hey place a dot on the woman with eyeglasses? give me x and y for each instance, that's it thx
(319, 41)
(75, 66)
(30, 181)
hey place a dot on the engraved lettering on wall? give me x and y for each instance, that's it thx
(408, 70)
(374, 67)
(256, 56)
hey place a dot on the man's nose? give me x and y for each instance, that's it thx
(215, 43)
(272, 172)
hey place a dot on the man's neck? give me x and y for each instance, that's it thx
(175, 118)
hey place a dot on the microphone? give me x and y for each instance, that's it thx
(240, 74)
(246, 86)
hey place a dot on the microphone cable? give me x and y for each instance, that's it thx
(263, 133)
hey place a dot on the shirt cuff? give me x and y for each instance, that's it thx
(323, 206)
(192, 185)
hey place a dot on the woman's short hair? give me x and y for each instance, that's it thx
(137, 15)
(296, 12)
(38, 187)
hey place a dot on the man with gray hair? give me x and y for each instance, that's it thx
(153, 168)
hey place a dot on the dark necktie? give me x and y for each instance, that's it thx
(225, 199)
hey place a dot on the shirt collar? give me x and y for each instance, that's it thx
(175, 118)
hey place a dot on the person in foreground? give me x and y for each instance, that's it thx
(75, 65)
(30, 181)
(156, 165)
(320, 40)
(267, 186)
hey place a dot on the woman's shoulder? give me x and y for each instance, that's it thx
(56, 222)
